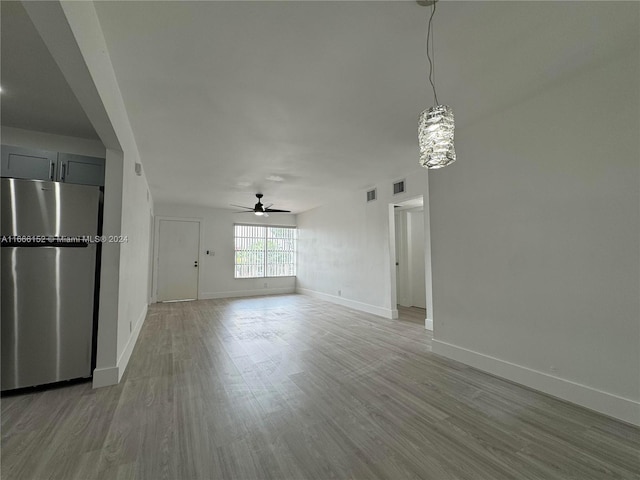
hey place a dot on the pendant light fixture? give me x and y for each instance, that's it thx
(435, 124)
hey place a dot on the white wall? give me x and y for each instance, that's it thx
(134, 258)
(416, 252)
(346, 249)
(535, 242)
(403, 281)
(51, 142)
(216, 235)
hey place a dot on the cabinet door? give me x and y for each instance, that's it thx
(80, 169)
(20, 162)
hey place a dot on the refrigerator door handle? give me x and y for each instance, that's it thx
(51, 168)
(64, 169)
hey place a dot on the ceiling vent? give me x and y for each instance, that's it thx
(398, 187)
(372, 195)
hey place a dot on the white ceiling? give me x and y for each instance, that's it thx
(302, 100)
(35, 94)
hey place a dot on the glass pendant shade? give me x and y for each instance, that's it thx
(435, 137)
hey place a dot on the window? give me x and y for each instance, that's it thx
(262, 251)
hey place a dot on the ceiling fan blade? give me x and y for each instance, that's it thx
(245, 211)
(275, 210)
(267, 207)
(241, 206)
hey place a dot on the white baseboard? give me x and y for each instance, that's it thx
(428, 324)
(621, 408)
(363, 307)
(246, 293)
(104, 377)
(123, 361)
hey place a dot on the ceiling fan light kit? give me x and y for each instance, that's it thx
(436, 124)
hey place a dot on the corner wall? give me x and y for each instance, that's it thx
(72, 33)
(345, 255)
(536, 242)
(134, 261)
(136, 201)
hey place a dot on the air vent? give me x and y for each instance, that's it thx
(372, 195)
(398, 187)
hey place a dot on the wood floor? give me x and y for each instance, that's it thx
(289, 387)
(412, 314)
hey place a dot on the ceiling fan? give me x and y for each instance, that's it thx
(259, 209)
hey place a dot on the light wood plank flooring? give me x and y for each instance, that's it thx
(412, 314)
(289, 387)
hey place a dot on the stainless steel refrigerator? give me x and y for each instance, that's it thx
(48, 281)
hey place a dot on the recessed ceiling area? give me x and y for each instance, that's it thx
(35, 94)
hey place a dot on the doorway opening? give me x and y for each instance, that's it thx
(411, 284)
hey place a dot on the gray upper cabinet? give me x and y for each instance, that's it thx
(29, 163)
(19, 162)
(80, 169)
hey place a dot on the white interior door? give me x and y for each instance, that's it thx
(178, 247)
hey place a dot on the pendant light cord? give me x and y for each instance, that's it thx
(431, 67)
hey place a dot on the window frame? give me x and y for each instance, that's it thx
(265, 251)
